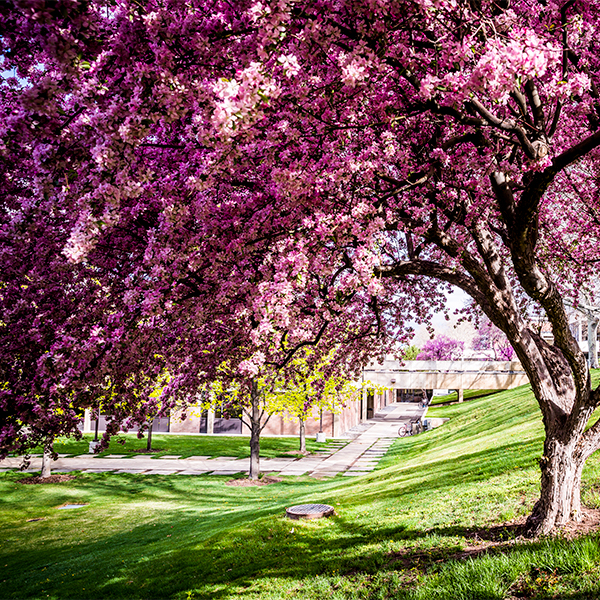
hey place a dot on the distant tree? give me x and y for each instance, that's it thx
(490, 339)
(310, 384)
(247, 399)
(441, 348)
(411, 353)
(47, 458)
(153, 408)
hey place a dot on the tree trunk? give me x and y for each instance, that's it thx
(302, 435)
(254, 432)
(149, 442)
(47, 459)
(97, 426)
(560, 496)
(592, 342)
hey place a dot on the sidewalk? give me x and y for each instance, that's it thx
(358, 457)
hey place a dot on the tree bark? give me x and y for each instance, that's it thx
(560, 495)
(565, 398)
(255, 429)
(47, 459)
(302, 435)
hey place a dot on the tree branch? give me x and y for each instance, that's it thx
(431, 269)
(506, 125)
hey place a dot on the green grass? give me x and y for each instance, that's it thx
(190, 445)
(467, 395)
(400, 532)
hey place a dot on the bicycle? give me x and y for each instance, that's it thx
(413, 428)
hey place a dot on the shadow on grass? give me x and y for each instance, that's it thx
(276, 549)
(164, 536)
(232, 539)
(197, 532)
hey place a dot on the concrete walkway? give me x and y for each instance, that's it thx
(359, 456)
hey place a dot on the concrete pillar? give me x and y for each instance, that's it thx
(210, 421)
(593, 342)
(460, 394)
(87, 421)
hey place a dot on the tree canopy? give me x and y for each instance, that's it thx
(211, 179)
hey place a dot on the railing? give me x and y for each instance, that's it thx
(446, 366)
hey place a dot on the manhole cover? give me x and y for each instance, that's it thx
(66, 506)
(309, 511)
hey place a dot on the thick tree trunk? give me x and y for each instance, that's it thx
(561, 383)
(302, 435)
(47, 460)
(560, 496)
(254, 433)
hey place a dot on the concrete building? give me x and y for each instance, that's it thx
(407, 382)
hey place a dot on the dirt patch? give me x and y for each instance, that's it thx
(421, 560)
(52, 479)
(590, 523)
(493, 540)
(145, 451)
(297, 453)
(245, 482)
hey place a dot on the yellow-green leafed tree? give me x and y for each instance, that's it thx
(307, 386)
(248, 399)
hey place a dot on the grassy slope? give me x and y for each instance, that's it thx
(395, 535)
(467, 394)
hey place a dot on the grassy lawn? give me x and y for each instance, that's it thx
(416, 528)
(467, 394)
(191, 445)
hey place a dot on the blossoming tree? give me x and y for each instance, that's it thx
(242, 179)
(488, 338)
(441, 348)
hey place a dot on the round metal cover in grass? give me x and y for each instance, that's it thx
(309, 511)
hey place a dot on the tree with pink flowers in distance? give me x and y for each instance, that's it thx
(441, 348)
(233, 181)
(490, 339)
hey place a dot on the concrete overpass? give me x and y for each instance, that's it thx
(446, 375)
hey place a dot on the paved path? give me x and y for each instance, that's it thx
(359, 456)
